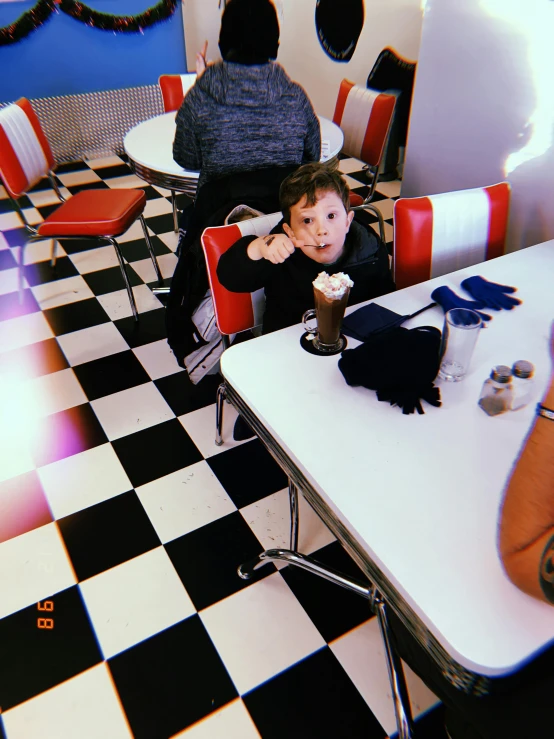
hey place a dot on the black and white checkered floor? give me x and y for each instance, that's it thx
(122, 524)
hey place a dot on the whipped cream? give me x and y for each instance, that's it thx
(332, 287)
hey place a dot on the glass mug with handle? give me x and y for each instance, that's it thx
(330, 299)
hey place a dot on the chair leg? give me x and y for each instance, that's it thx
(219, 414)
(21, 274)
(151, 250)
(294, 516)
(175, 212)
(125, 277)
(53, 253)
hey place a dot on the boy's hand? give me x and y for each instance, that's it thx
(275, 248)
(201, 59)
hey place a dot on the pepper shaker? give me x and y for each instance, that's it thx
(497, 393)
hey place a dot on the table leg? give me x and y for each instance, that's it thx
(175, 213)
(294, 515)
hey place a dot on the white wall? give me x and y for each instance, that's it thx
(395, 23)
(483, 107)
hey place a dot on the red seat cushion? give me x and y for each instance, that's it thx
(355, 199)
(95, 213)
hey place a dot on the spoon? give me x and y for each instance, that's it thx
(317, 246)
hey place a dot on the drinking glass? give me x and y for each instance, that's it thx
(459, 336)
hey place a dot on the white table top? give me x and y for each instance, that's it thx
(420, 494)
(150, 144)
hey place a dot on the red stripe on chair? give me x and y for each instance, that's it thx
(27, 108)
(499, 198)
(377, 129)
(233, 311)
(413, 241)
(344, 90)
(11, 171)
(172, 91)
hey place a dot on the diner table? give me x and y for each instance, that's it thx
(414, 499)
(149, 146)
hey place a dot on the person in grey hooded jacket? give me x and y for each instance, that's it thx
(245, 113)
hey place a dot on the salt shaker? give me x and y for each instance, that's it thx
(497, 392)
(523, 383)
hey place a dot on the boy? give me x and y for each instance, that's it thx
(316, 213)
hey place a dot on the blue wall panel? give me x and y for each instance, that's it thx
(64, 56)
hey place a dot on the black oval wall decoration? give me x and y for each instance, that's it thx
(339, 24)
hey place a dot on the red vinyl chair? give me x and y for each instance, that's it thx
(365, 117)
(437, 234)
(234, 312)
(101, 215)
(174, 87)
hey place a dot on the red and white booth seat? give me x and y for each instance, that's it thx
(437, 234)
(174, 87)
(234, 312)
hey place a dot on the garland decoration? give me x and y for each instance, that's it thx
(41, 12)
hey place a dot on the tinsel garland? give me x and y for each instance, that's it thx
(39, 14)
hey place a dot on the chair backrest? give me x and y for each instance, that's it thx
(438, 234)
(174, 87)
(234, 312)
(365, 118)
(25, 154)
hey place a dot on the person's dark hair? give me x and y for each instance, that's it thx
(249, 32)
(309, 180)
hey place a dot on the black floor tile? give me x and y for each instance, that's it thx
(150, 192)
(76, 316)
(430, 725)
(156, 451)
(16, 236)
(107, 534)
(24, 506)
(206, 560)
(161, 224)
(42, 272)
(43, 184)
(75, 246)
(183, 397)
(47, 210)
(150, 327)
(3, 734)
(7, 259)
(39, 654)
(135, 250)
(117, 170)
(183, 201)
(109, 280)
(333, 610)
(111, 374)
(77, 166)
(248, 473)
(74, 189)
(63, 434)
(11, 307)
(34, 360)
(7, 207)
(170, 681)
(315, 698)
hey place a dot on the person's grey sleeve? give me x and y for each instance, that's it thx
(186, 147)
(312, 142)
(240, 274)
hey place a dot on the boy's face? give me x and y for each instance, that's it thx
(326, 222)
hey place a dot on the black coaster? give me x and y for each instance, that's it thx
(307, 343)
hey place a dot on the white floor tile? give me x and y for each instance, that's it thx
(9, 281)
(33, 566)
(269, 519)
(81, 177)
(41, 251)
(350, 165)
(157, 359)
(163, 191)
(54, 392)
(117, 304)
(170, 239)
(83, 480)
(94, 259)
(10, 220)
(33, 216)
(200, 425)
(351, 182)
(361, 654)
(184, 501)
(386, 207)
(87, 706)
(18, 420)
(132, 234)
(231, 722)
(128, 180)
(62, 292)
(260, 631)
(39, 198)
(113, 161)
(157, 207)
(145, 269)
(135, 600)
(23, 331)
(131, 410)
(92, 343)
(390, 189)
